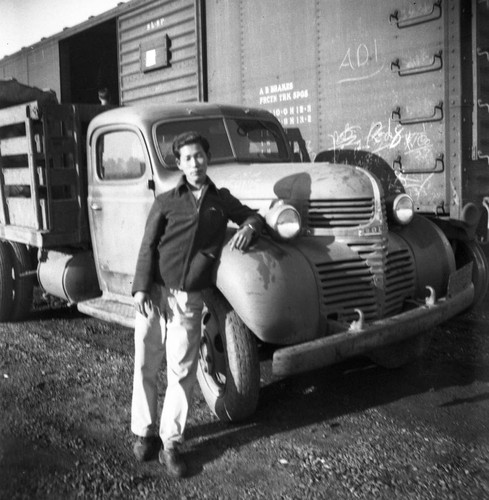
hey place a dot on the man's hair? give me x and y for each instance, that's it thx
(188, 138)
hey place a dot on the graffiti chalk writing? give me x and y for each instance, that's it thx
(360, 58)
(381, 137)
(348, 138)
(416, 141)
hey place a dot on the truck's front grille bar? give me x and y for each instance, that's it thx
(340, 213)
(345, 286)
(399, 280)
(378, 282)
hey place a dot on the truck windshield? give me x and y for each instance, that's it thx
(231, 139)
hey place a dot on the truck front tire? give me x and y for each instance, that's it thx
(228, 369)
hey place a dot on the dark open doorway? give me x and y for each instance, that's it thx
(89, 62)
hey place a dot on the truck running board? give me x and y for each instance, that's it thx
(109, 309)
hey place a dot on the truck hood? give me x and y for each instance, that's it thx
(293, 181)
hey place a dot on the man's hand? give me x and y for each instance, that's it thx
(142, 303)
(242, 238)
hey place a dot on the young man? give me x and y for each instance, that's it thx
(183, 236)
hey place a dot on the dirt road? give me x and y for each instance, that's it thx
(350, 431)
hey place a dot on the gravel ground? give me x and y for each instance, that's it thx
(349, 431)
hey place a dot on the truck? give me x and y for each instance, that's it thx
(361, 140)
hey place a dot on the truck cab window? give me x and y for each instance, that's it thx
(212, 129)
(231, 139)
(120, 156)
(257, 141)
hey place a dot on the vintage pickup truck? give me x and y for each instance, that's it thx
(345, 267)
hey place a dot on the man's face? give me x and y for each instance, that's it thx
(193, 163)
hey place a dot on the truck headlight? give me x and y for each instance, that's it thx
(403, 209)
(284, 220)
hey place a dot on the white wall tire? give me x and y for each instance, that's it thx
(229, 368)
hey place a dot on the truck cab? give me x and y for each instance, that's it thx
(130, 162)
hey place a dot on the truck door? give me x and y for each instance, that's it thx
(119, 200)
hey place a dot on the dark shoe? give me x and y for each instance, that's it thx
(173, 462)
(146, 448)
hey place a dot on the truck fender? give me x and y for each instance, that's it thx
(433, 255)
(272, 288)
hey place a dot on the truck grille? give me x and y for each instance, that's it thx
(340, 213)
(345, 286)
(362, 284)
(399, 280)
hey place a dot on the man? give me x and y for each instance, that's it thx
(183, 236)
(104, 96)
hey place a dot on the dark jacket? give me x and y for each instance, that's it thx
(183, 238)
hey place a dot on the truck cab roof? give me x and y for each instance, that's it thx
(145, 115)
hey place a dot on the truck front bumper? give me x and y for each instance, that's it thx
(358, 339)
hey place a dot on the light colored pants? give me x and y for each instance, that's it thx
(175, 320)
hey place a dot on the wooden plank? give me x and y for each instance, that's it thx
(41, 175)
(40, 239)
(16, 176)
(12, 115)
(25, 235)
(21, 212)
(32, 157)
(14, 146)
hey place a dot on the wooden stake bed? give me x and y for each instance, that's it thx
(43, 174)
